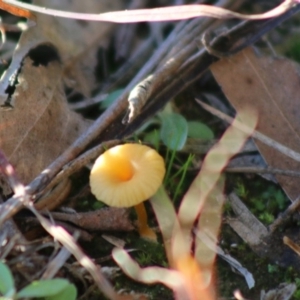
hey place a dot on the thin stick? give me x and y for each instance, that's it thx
(56, 231)
(262, 170)
(257, 135)
(70, 244)
(76, 165)
(285, 215)
(141, 93)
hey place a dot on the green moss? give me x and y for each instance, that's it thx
(265, 199)
(240, 189)
(146, 254)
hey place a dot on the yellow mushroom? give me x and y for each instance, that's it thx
(126, 175)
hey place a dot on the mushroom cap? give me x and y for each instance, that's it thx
(127, 175)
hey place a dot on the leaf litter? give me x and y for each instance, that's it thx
(40, 121)
(271, 85)
(75, 58)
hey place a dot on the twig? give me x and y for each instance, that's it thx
(105, 219)
(189, 72)
(88, 102)
(56, 263)
(287, 241)
(144, 89)
(193, 68)
(285, 215)
(107, 118)
(56, 196)
(10, 235)
(197, 146)
(257, 135)
(74, 166)
(70, 244)
(56, 231)
(262, 170)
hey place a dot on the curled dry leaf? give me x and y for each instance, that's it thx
(40, 126)
(271, 85)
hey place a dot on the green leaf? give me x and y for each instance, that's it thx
(174, 130)
(6, 281)
(111, 98)
(152, 138)
(43, 288)
(69, 293)
(198, 130)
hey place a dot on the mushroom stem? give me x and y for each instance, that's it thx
(144, 230)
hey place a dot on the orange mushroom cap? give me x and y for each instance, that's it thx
(127, 175)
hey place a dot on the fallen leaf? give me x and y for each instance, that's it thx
(78, 42)
(40, 126)
(271, 86)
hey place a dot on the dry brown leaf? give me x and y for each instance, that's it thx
(40, 126)
(271, 85)
(78, 41)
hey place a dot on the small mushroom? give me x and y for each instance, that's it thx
(126, 175)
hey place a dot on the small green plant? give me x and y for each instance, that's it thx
(259, 204)
(297, 293)
(198, 130)
(182, 173)
(280, 199)
(266, 217)
(50, 289)
(144, 258)
(273, 268)
(241, 190)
